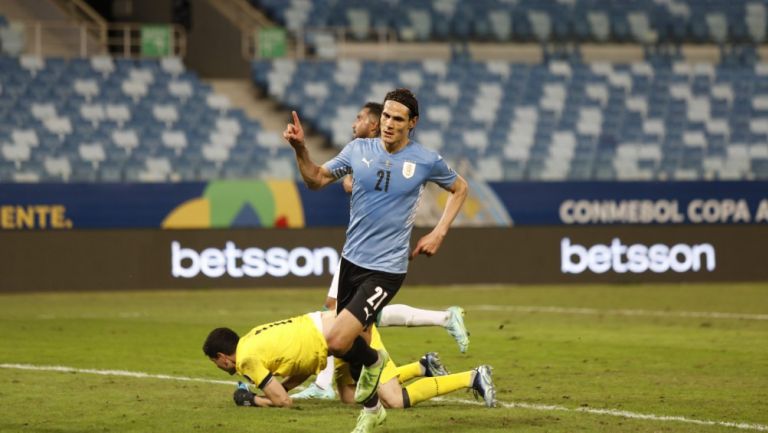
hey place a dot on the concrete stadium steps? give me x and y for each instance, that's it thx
(272, 117)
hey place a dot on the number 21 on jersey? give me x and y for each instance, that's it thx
(383, 176)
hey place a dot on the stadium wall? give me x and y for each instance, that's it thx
(214, 45)
(82, 260)
(136, 11)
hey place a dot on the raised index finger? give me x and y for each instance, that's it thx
(296, 120)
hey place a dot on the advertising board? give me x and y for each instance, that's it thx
(253, 258)
(233, 204)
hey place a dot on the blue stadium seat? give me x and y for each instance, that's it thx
(559, 96)
(85, 129)
(603, 20)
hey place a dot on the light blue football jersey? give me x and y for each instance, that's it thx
(385, 195)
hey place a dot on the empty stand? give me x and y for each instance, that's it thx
(553, 121)
(104, 119)
(674, 21)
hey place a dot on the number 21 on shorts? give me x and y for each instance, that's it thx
(377, 298)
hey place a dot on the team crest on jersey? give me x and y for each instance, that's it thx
(409, 168)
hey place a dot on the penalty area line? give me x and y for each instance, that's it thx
(506, 405)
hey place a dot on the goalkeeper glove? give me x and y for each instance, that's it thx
(243, 396)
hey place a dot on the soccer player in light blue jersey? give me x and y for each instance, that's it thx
(389, 174)
(366, 125)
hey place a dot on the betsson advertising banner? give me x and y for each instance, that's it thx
(253, 258)
(287, 204)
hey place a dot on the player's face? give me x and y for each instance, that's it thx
(395, 123)
(364, 126)
(224, 363)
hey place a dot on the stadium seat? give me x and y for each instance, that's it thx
(103, 65)
(172, 66)
(215, 154)
(176, 140)
(477, 111)
(57, 168)
(73, 110)
(541, 24)
(61, 126)
(599, 25)
(28, 137)
(93, 113)
(93, 153)
(218, 102)
(126, 140)
(182, 90)
(717, 25)
(156, 168)
(134, 89)
(119, 113)
(230, 126)
(360, 23)
(87, 88)
(756, 17)
(665, 21)
(500, 25)
(17, 153)
(166, 113)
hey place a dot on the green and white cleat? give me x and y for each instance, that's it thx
(315, 392)
(456, 328)
(369, 378)
(432, 365)
(367, 420)
(483, 386)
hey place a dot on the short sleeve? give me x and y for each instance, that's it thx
(256, 372)
(341, 165)
(441, 173)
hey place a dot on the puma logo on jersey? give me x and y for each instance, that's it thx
(367, 162)
(367, 314)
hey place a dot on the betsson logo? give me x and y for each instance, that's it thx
(637, 258)
(251, 262)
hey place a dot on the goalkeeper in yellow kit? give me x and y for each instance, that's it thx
(295, 349)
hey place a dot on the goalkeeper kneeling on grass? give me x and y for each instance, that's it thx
(295, 349)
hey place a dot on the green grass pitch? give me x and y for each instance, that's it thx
(607, 358)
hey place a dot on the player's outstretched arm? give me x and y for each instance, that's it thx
(430, 243)
(315, 176)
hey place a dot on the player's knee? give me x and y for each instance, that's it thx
(391, 394)
(337, 346)
(391, 402)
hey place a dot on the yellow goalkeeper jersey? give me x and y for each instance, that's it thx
(290, 347)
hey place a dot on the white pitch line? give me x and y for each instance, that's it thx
(597, 312)
(123, 373)
(510, 405)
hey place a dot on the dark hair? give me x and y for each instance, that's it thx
(405, 97)
(222, 340)
(374, 109)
